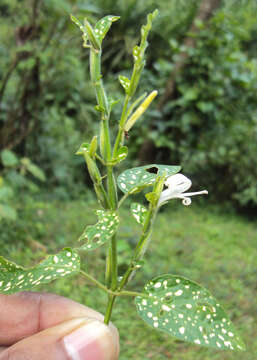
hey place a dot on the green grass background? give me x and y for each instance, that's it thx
(207, 245)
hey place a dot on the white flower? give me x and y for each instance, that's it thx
(177, 184)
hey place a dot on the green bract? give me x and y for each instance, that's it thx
(125, 82)
(135, 179)
(96, 235)
(103, 25)
(187, 311)
(139, 212)
(14, 278)
(122, 153)
(97, 34)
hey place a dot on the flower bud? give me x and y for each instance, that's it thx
(140, 110)
(91, 36)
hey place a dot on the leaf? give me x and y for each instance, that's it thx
(82, 28)
(6, 192)
(96, 235)
(83, 149)
(125, 82)
(136, 52)
(122, 153)
(151, 197)
(139, 212)
(9, 158)
(33, 169)
(135, 179)
(103, 25)
(14, 278)
(93, 147)
(7, 212)
(113, 102)
(187, 311)
(77, 22)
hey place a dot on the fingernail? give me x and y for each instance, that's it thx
(92, 341)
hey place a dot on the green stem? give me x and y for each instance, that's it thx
(93, 280)
(141, 247)
(95, 73)
(98, 157)
(108, 313)
(110, 292)
(124, 197)
(111, 275)
(121, 126)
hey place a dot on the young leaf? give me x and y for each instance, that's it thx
(7, 212)
(187, 311)
(91, 35)
(139, 212)
(122, 153)
(77, 22)
(93, 147)
(6, 192)
(125, 82)
(102, 26)
(139, 52)
(135, 179)
(14, 278)
(84, 148)
(96, 235)
(33, 169)
(9, 158)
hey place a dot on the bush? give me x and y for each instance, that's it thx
(210, 124)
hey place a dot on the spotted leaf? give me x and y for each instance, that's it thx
(139, 212)
(136, 52)
(82, 28)
(187, 311)
(103, 25)
(125, 82)
(122, 153)
(77, 22)
(136, 179)
(96, 235)
(14, 278)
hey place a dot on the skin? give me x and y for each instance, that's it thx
(33, 325)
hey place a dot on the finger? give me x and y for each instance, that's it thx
(24, 314)
(77, 339)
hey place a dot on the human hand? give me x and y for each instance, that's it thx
(38, 326)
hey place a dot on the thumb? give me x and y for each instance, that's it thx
(77, 339)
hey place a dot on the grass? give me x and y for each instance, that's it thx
(213, 248)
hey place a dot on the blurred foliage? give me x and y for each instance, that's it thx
(16, 176)
(209, 125)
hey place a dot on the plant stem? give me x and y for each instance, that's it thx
(93, 280)
(121, 126)
(111, 275)
(108, 313)
(110, 292)
(141, 246)
(123, 199)
(95, 73)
